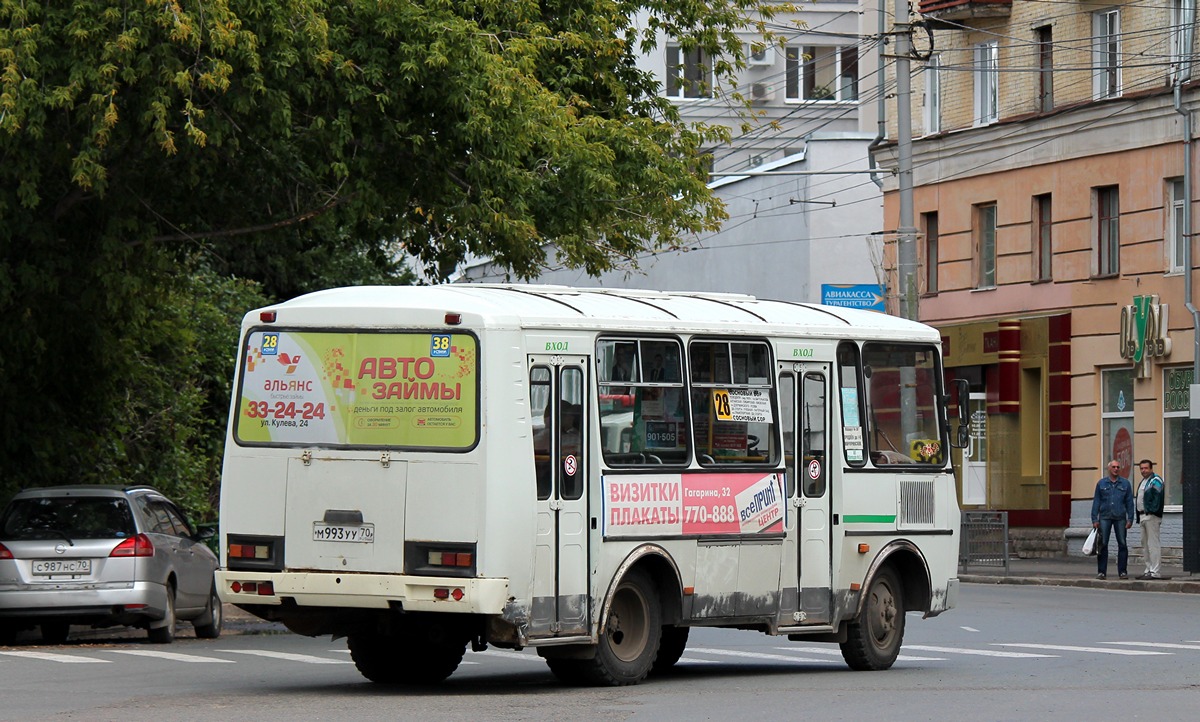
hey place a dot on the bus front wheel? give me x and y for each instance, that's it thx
(874, 638)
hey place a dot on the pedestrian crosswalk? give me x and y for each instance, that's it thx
(694, 655)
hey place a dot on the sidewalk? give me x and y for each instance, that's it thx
(1080, 572)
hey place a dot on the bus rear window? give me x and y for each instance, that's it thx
(347, 389)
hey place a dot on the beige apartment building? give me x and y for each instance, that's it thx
(1052, 142)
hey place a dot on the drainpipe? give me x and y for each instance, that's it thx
(881, 131)
(1187, 229)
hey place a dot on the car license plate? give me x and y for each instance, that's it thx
(362, 533)
(62, 566)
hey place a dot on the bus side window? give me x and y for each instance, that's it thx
(787, 418)
(812, 432)
(541, 410)
(570, 435)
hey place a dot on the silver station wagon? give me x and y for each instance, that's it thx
(103, 556)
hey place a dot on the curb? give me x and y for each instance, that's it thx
(1131, 585)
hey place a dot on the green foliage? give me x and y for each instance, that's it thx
(154, 152)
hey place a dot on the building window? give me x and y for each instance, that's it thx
(1176, 404)
(933, 95)
(1176, 250)
(930, 223)
(816, 72)
(987, 83)
(1043, 250)
(1108, 230)
(688, 73)
(1116, 414)
(1106, 51)
(1045, 41)
(1183, 18)
(985, 245)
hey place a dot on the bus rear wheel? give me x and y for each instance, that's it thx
(670, 648)
(874, 638)
(420, 658)
(627, 647)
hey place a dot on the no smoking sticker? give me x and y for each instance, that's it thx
(570, 465)
(814, 470)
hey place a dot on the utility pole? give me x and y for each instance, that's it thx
(906, 231)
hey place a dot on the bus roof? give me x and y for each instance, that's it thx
(560, 307)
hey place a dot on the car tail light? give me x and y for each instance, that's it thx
(5, 553)
(134, 546)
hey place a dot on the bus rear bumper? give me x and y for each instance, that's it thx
(364, 591)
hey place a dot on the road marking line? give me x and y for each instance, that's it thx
(969, 629)
(694, 660)
(1164, 645)
(63, 658)
(173, 656)
(838, 653)
(1097, 650)
(306, 658)
(753, 655)
(979, 652)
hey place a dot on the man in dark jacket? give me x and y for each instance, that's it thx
(1112, 508)
(1150, 500)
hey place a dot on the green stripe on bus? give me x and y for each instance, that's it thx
(869, 518)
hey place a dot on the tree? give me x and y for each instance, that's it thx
(150, 149)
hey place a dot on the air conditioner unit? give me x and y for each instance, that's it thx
(764, 57)
(762, 92)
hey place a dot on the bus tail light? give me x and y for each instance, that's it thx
(262, 589)
(446, 593)
(440, 559)
(249, 551)
(254, 553)
(450, 559)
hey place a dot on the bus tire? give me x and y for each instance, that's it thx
(670, 648)
(629, 643)
(873, 639)
(409, 659)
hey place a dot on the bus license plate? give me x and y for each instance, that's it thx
(362, 533)
(62, 566)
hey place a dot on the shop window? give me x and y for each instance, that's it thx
(1176, 405)
(1116, 414)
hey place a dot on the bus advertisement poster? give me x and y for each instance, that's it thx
(693, 504)
(358, 389)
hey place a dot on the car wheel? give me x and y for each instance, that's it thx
(208, 625)
(166, 633)
(55, 632)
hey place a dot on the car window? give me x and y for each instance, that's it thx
(181, 526)
(158, 518)
(67, 517)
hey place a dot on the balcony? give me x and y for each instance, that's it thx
(958, 10)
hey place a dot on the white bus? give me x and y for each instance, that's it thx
(586, 472)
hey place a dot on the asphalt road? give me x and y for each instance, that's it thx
(1008, 653)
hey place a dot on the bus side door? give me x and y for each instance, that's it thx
(805, 388)
(558, 392)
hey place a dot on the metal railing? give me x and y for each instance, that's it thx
(984, 540)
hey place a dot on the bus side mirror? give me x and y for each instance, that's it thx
(963, 390)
